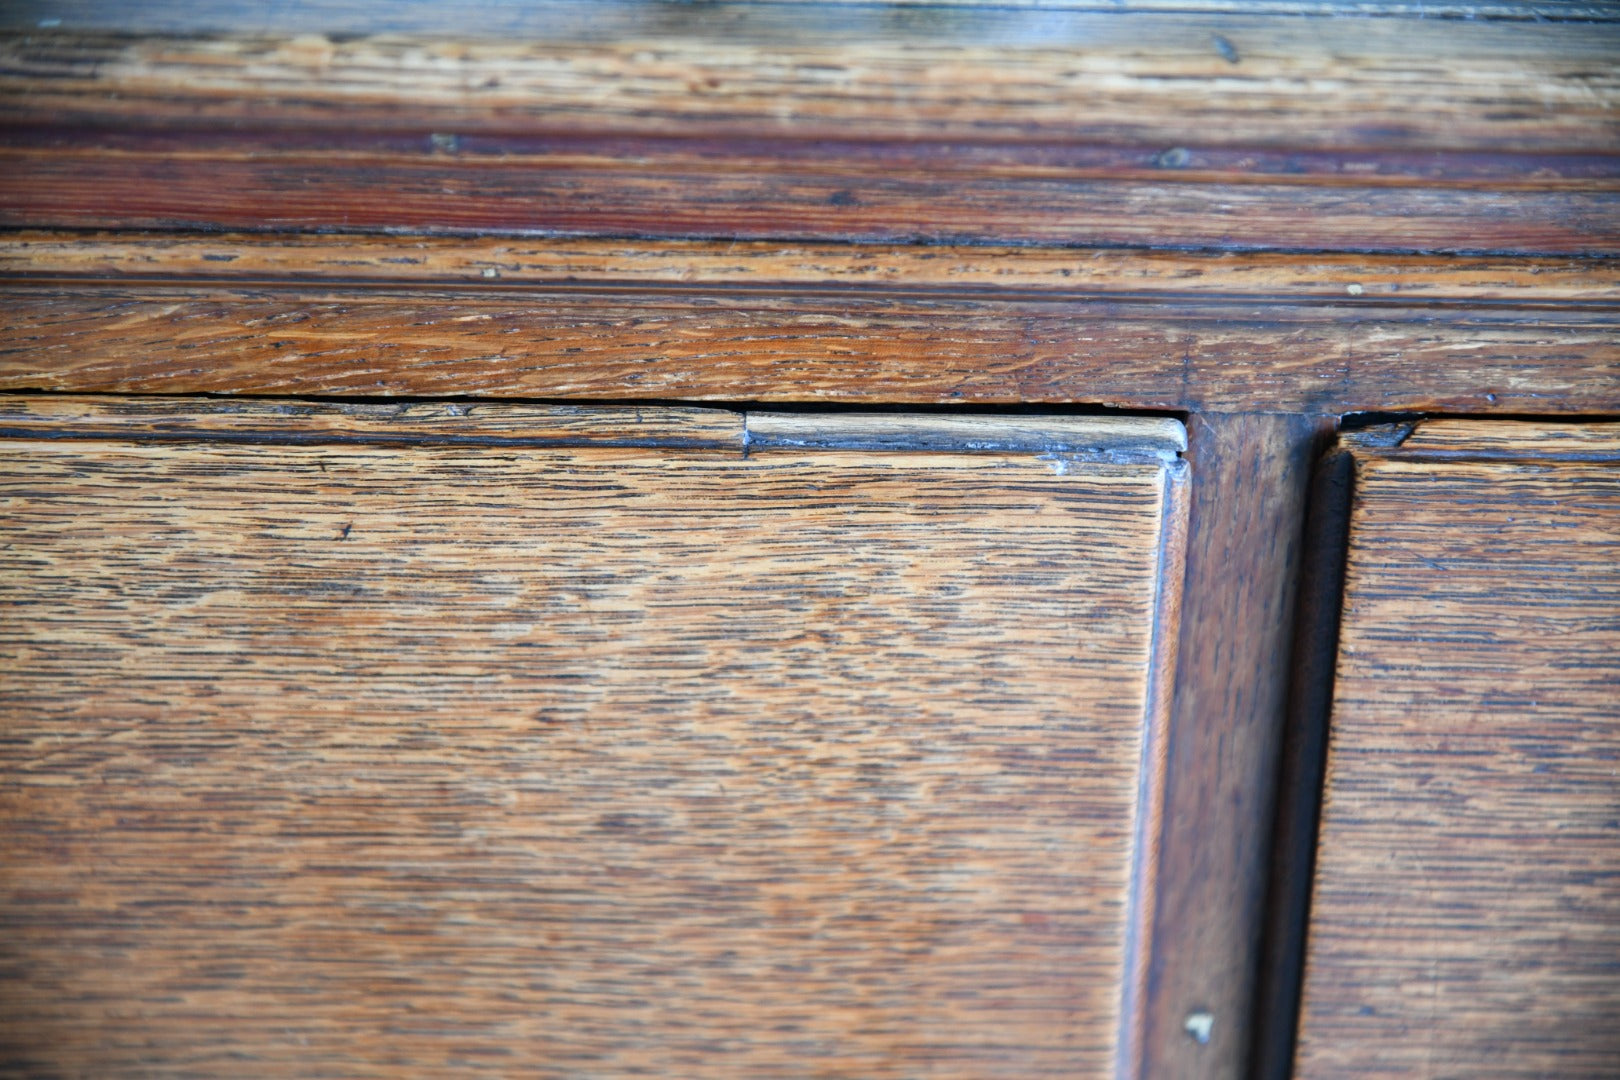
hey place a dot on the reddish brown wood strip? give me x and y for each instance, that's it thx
(720, 346)
(749, 199)
(1466, 918)
(487, 261)
(352, 759)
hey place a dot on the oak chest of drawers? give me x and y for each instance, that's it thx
(785, 539)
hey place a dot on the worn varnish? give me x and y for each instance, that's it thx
(1466, 918)
(592, 759)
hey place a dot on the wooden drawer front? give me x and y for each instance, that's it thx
(1466, 919)
(342, 742)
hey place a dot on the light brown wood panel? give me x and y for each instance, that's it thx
(1466, 916)
(573, 760)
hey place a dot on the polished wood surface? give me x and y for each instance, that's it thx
(595, 759)
(1466, 917)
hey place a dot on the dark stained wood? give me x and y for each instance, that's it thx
(1222, 355)
(1167, 80)
(604, 760)
(1304, 753)
(745, 194)
(1466, 918)
(784, 267)
(1226, 721)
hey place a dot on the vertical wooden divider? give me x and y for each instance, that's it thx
(1249, 475)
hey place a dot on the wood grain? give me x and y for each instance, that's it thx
(1228, 356)
(1491, 439)
(1164, 80)
(493, 262)
(595, 760)
(1225, 726)
(1120, 436)
(750, 191)
(1301, 768)
(416, 422)
(526, 18)
(1466, 918)
(851, 123)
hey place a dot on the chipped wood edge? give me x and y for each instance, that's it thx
(1487, 440)
(1110, 437)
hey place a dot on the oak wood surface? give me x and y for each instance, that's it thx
(1232, 355)
(1466, 917)
(591, 760)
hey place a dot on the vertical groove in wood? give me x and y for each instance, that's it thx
(1304, 751)
(1249, 478)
